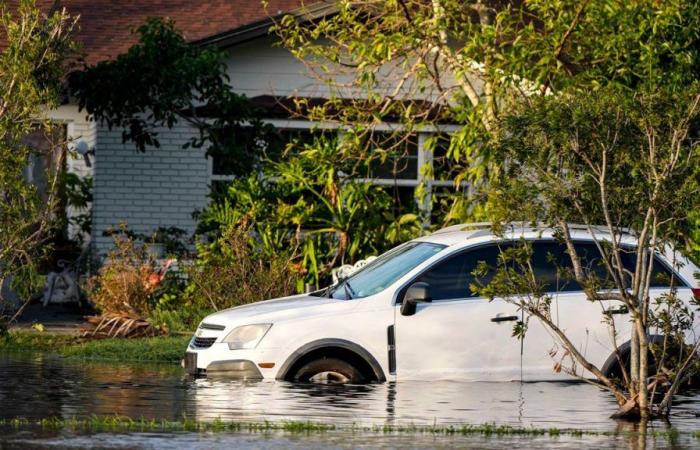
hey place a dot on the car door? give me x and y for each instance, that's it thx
(458, 335)
(586, 324)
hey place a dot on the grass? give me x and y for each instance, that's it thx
(157, 349)
(25, 341)
(167, 349)
(127, 424)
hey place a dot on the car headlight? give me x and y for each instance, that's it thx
(247, 336)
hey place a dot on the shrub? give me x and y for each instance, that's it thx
(233, 270)
(313, 204)
(124, 284)
(172, 310)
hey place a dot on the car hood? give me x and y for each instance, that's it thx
(276, 310)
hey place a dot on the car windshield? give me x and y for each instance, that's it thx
(384, 271)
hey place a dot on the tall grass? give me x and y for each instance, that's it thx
(128, 424)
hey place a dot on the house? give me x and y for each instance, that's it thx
(164, 186)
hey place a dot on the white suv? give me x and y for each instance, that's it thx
(410, 314)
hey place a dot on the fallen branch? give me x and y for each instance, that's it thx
(123, 325)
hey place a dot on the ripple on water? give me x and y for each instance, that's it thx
(37, 386)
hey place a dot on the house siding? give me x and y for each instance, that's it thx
(261, 67)
(161, 187)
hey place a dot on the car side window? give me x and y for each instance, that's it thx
(548, 255)
(549, 263)
(661, 275)
(451, 278)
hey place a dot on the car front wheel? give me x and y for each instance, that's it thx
(329, 371)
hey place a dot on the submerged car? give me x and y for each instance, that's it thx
(411, 314)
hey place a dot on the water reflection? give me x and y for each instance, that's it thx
(42, 386)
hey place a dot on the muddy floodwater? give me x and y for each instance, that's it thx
(43, 386)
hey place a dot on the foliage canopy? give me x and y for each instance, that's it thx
(424, 64)
(32, 68)
(164, 79)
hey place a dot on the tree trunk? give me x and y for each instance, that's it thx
(643, 371)
(634, 363)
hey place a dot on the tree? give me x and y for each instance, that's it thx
(162, 80)
(421, 64)
(33, 64)
(625, 164)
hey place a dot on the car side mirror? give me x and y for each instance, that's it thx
(416, 293)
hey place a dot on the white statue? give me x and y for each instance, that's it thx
(346, 270)
(62, 287)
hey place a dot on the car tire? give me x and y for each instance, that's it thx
(616, 373)
(329, 371)
(615, 370)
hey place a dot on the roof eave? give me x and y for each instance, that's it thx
(261, 28)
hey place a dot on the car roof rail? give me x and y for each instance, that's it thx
(477, 226)
(464, 227)
(601, 229)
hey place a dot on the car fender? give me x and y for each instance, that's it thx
(331, 342)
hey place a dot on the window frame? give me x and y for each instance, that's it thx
(456, 253)
(682, 283)
(397, 300)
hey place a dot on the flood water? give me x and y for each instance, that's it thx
(43, 386)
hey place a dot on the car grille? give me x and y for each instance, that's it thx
(203, 342)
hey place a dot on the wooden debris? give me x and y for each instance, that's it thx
(120, 325)
(629, 410)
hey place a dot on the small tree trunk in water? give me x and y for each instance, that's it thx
(643, 372)
(634, 363)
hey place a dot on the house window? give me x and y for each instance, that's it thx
(47, 164)
(396, 157)
(445, 168)
(397, 162)
(47, 159)
(284, 139)
(402, 168)
(293, 140)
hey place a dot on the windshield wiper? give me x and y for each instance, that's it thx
(349, 292)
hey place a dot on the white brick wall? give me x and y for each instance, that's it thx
(161, 187)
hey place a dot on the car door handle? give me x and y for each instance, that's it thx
(504, 318)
